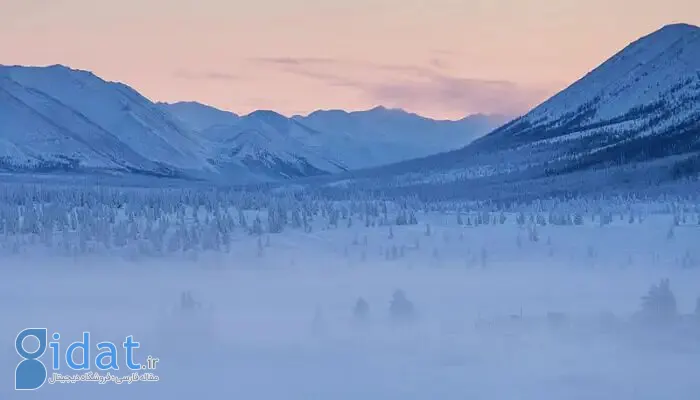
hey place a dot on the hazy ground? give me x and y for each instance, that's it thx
(254, 338)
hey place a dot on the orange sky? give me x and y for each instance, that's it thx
(441, 58)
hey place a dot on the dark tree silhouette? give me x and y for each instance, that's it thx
(361, 310)
(187, 302)
(659, 304)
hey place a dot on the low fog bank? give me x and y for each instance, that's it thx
(290, 333)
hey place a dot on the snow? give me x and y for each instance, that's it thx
(197, 116)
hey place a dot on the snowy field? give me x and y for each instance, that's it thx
(276, 318)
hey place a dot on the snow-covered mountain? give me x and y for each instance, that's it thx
(55, 118)
(641, 105)
(381, 136)
(345, 140)
(269, 146)
(59, 119)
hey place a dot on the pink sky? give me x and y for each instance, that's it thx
(441, 58)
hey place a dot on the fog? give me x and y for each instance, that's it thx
(257, 335)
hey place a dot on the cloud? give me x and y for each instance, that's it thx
(293, 60)
(442, 93)
(303, 65)
(417, 88)
(328, 78)
(219, 76)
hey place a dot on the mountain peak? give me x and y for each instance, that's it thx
(667, 35)
(267, 114)
(61, 67)
(195, 105)
(386, 109)
(47, 68)
(679, 27)
(382, 111)
(185, 103)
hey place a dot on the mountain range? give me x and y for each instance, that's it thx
(325, 141)
(59, 119)
(638, 110)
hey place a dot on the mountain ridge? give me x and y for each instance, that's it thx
(353, 139)
(57, 118)
(51, 118)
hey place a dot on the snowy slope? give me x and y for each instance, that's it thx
(56, 117)
(269, 146)
(197, 116)
(641, 105)
(382, 136)
(647, 95)
(655, 67)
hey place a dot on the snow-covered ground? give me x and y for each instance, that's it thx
(276, 320)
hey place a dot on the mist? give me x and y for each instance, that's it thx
(500, 312)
